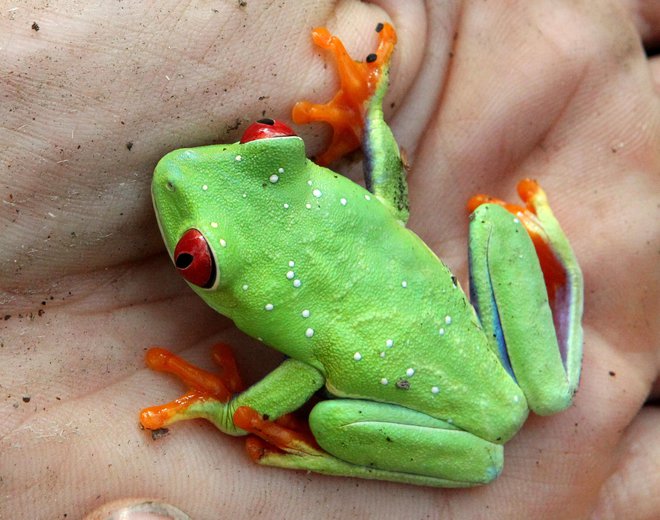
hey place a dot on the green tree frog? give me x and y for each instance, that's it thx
(425, 386)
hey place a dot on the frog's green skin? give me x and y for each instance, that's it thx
(324, 271)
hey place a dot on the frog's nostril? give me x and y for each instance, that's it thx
(169, 185)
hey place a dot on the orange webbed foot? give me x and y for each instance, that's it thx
(345, 112)
(287, 434)
(203, 385)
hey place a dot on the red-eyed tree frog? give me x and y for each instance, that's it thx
(426, 387)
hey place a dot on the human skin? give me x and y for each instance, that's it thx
(482, 96)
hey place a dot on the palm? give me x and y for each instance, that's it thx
(557, 98)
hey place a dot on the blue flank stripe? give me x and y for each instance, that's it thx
(497, 325)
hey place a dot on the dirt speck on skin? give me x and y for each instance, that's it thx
(403, 384)
(233, 127)
(129, 145)
(35, 26)
(159, 433)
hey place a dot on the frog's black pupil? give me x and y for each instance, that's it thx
(379, 27)
(371, 58)
(183, 260)
(266, 121)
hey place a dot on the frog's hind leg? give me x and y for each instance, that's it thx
(372, 440)
(528, 291)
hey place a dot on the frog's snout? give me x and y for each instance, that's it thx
(169, 173)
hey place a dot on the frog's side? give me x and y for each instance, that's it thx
(324, 271)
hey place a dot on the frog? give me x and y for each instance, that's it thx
(422, 384)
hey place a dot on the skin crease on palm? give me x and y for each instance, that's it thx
(482, 96)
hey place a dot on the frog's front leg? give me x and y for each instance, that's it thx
(356, 116)
(204, 388)
(379, 441)
(528, 295)
(217, 397)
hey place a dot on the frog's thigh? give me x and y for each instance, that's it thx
(400, 440)
(508, 290)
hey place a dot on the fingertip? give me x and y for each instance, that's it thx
(131, 509)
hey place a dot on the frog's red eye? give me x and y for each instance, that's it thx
(265, 129)
(193, 259)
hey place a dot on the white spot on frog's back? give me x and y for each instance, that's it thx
(268, 307)
(317, 193)
(357, 356)
(309, 332)
(238, 158)
(305, 313)
(273, 178)
(343, 201)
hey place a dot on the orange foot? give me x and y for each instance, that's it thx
(286, 434)
(272, 438)
(358, 83)
(203, 385)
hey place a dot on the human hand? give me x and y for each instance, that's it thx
(483, 97)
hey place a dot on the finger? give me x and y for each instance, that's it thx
(654, 64)
(654, 397)
(634, 481)
(645, 14)
(136, 509)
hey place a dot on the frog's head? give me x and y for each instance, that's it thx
(204, 197)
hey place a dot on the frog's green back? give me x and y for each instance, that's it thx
(318, 268)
